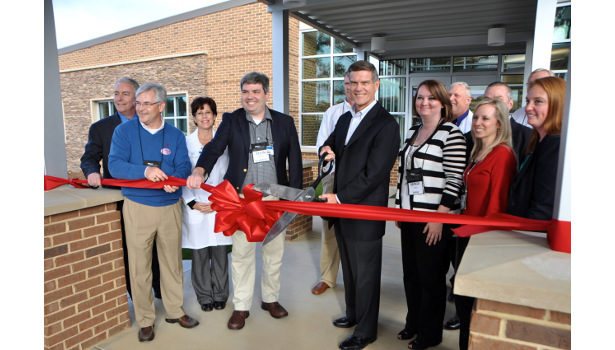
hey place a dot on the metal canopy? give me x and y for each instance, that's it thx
(415, 28)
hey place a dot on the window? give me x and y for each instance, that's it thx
(430, 64)
(560, 52)
(475, 63)
(324, 60)
(561, 27)
(105, 108)
(175, 112)
(392, 92)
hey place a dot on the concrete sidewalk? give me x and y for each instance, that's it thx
(308, 325)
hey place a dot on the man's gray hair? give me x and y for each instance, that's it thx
(128, 80)
(551, 74)
(499, 83)
(465, 85)
(161, 92)
(255, 78)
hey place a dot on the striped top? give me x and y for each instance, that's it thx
(442, 158)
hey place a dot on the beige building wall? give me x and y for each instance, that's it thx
(202, 56)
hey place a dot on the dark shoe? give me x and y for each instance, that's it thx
(419, 345)
(207, 307)
(343, 323)
(146, 334)
(219, 305)
(238, 319)
(275, 309)
(452, 324)
(355, 343)
(320, 288)
(184, 321)
(405, 335)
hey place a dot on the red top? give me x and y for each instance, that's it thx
(488, 181)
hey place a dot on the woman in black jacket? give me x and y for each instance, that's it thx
(532, 192)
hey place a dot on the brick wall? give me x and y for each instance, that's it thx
(177, 75)
(230, 42)
(498, 325)
(302, 223)
(85, 288)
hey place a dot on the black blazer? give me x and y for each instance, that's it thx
(363, 166)
(98, 145)
(520, 138)
(234, 133)
(532, 193)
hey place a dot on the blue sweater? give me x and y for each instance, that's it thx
(131, 143)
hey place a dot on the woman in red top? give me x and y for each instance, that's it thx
(487, 178)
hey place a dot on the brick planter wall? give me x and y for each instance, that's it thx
(498, 325)
(302, 223)
(85, 289)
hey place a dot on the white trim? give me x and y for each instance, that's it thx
(135, 61)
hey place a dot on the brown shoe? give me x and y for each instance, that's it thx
(320, 288)
(184, 321)
(238, 319)
(146, 334)
(275, 309)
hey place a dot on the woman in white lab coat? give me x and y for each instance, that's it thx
(209, 249)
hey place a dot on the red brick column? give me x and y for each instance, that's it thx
(498, 325)
(302, 223)
(85, 288)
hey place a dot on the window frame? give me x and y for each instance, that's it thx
(331, 79)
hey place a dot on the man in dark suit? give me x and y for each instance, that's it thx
(97, 149)
(364, 144)
(260, 142)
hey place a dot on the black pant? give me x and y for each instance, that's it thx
(463, 304)
(155, 266)
(361, 269)
(425, 269)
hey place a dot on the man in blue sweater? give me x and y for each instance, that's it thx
(97, 149)
(147, 147)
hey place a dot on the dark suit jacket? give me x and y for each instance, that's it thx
(99, 143)
(234, 133)
(532, 193)
(520, 138)
(363, 166)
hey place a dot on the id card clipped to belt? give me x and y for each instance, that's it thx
(414, 178)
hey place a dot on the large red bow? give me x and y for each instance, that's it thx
(248, 214)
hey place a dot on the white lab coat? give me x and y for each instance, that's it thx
(198, 228)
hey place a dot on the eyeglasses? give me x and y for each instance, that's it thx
(145, 104)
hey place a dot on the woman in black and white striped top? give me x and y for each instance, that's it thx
(431, 162)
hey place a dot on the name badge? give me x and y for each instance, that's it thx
(415, 188)
(414, 177)
(260, 156)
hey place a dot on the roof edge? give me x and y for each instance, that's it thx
(156, 24)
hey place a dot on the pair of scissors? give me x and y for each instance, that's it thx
(294, 194)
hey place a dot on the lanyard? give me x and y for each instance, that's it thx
(141, 144)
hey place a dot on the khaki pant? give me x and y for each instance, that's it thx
(243, 270)
(144, 224)
(330, 254)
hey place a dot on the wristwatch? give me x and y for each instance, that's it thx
(191, 204)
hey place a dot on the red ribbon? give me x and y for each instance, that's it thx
(255, 217)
